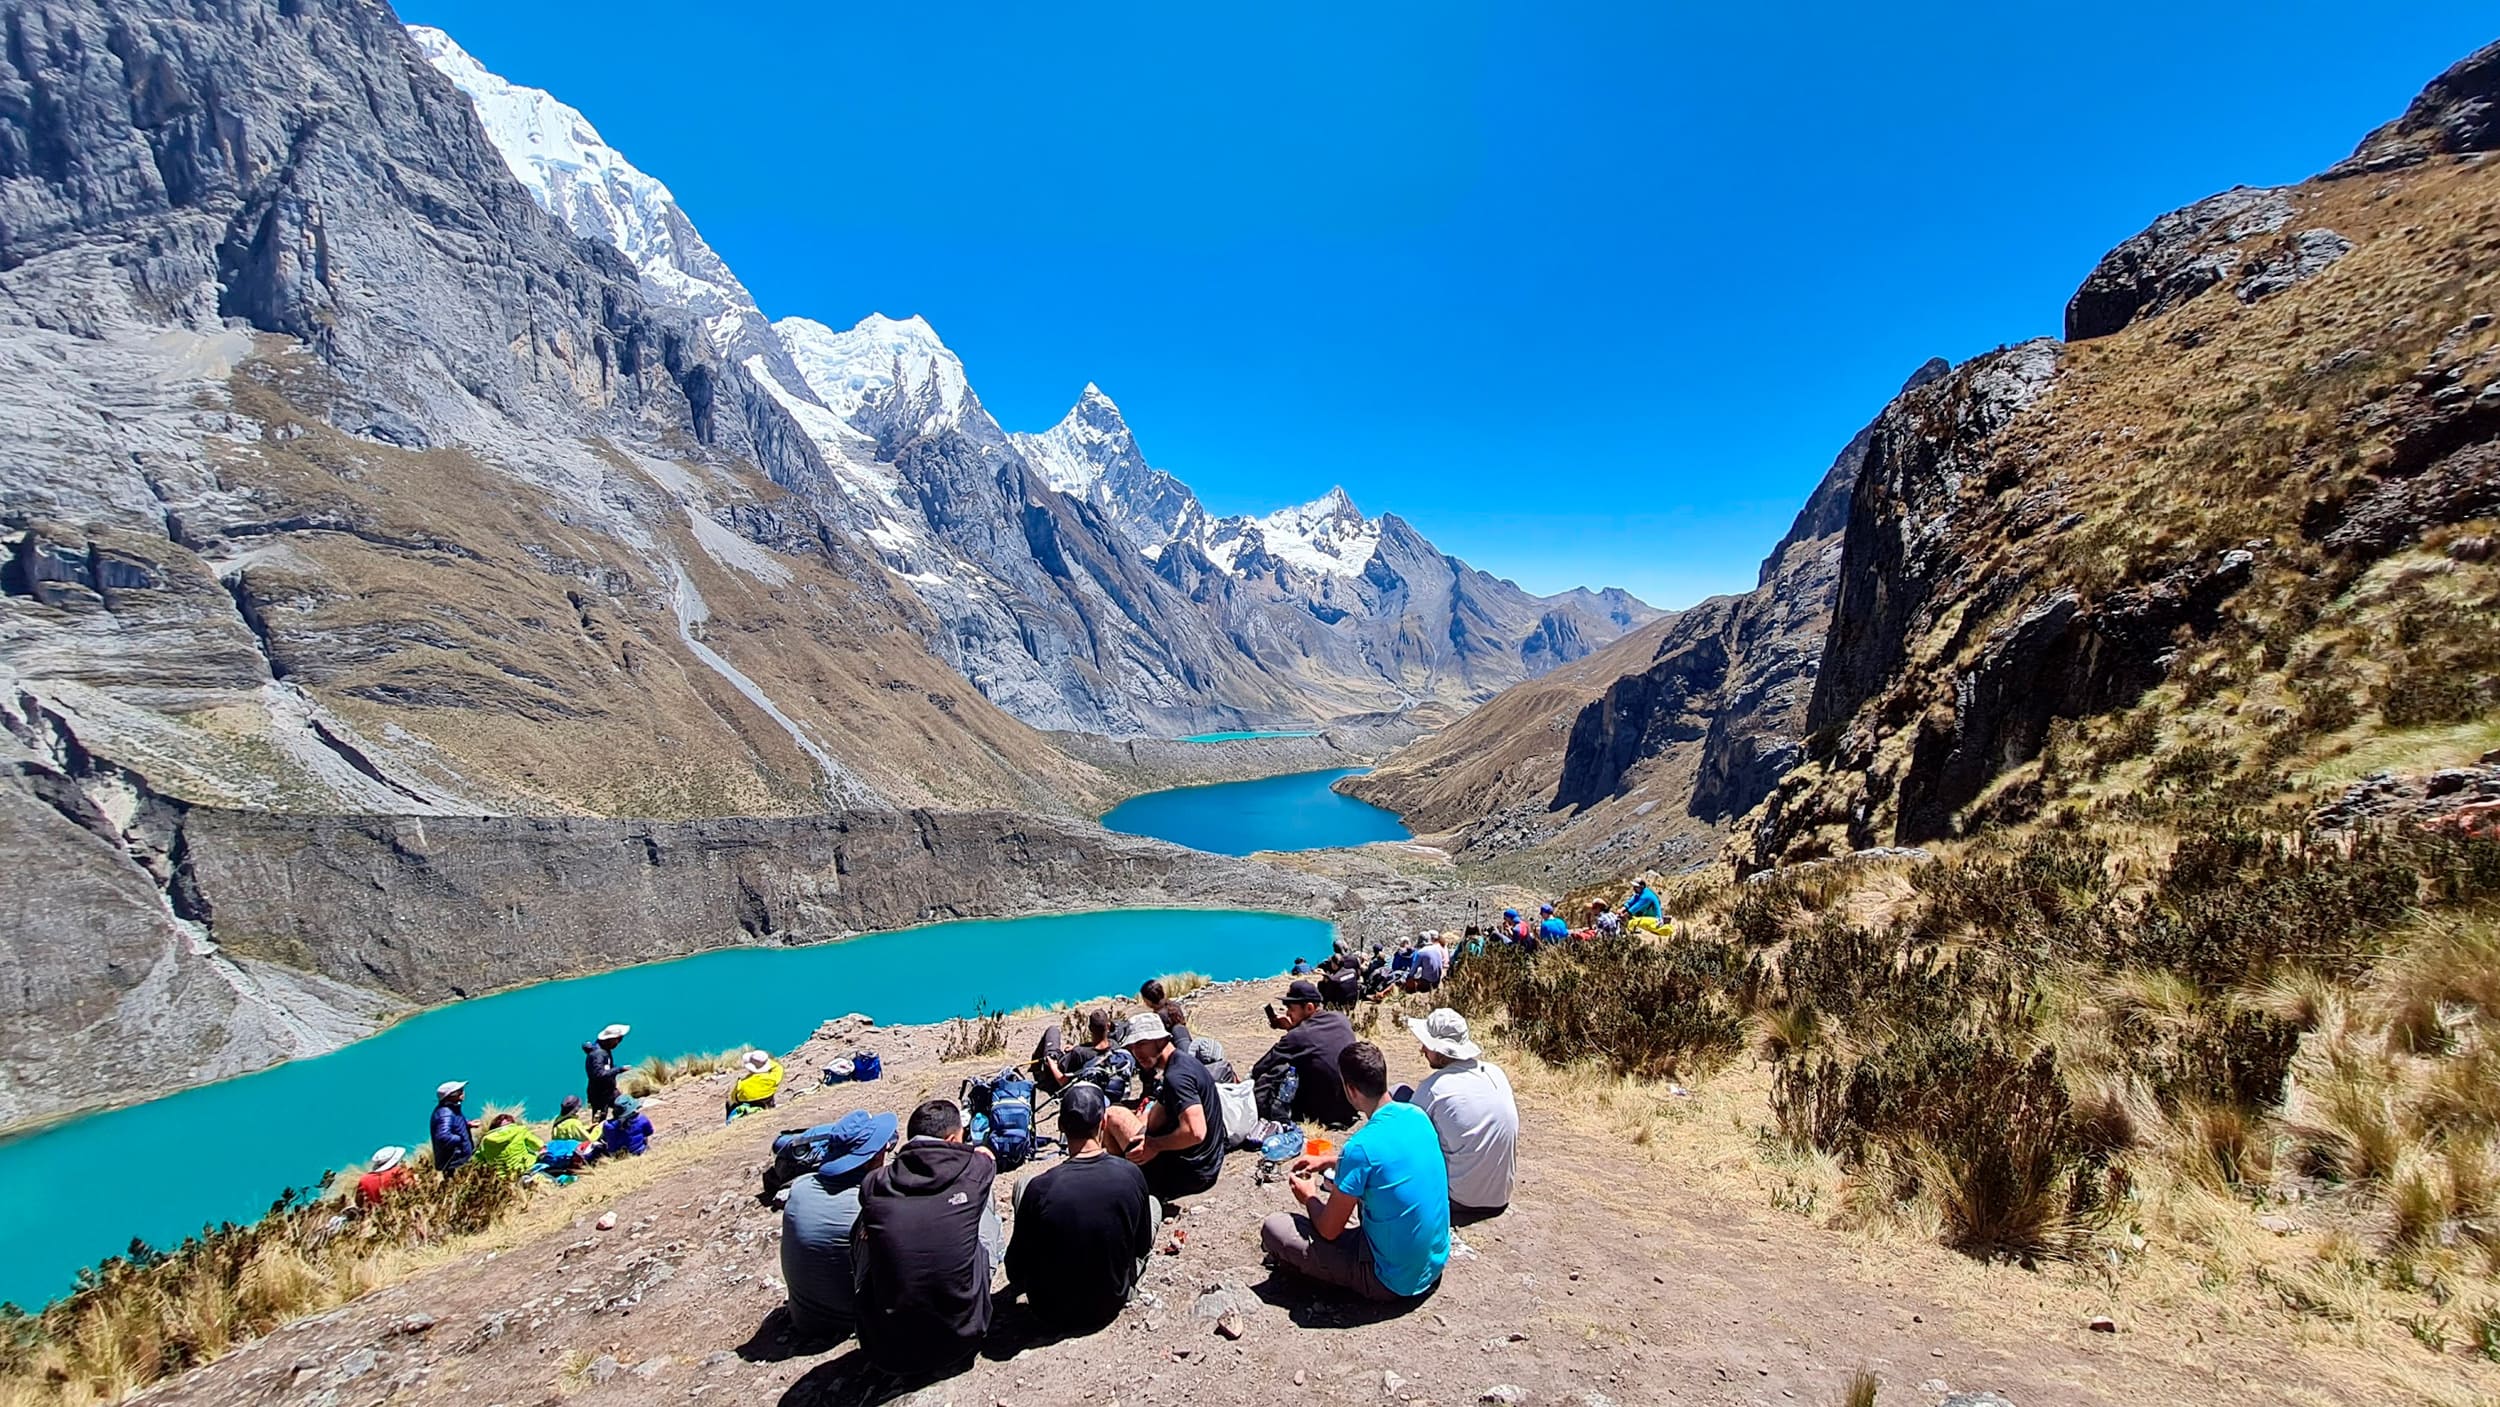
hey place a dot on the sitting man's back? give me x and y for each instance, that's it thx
(926, 1229)
(1314, 1038)
(818, 1224)
(1472, 1111)
(1084, 1228)
(1392, 1170)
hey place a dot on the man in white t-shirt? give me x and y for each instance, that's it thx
(1470, 1105)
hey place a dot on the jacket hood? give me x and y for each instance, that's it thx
(588, 1046)
(925, 1167)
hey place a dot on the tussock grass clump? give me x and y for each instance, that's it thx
(982, 1033)
(1639, 1009)
(148, 1314)
(658, 1072)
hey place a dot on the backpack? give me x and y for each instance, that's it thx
(1001, 1108)
(1115, 1073)
(796, 1153)
(1241, 1113)
(866, 1066)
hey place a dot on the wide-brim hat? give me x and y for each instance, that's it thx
(1144, 1026)
(757, 1062)
(1444, 1033)
(385, 1159)
(616, 1032)
(627, 1104)
(854, 1139)
(448, 1088)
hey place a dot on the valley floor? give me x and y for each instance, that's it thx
(1643, 1261)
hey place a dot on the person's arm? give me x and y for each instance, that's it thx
(1330, 1210)
(1278, 1057)
(1187, 1131)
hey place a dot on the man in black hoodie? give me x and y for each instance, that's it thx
(925, 1248)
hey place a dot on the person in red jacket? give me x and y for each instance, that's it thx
(387, 1173)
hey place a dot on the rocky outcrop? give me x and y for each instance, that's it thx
(1642, 754)
(2458, 112)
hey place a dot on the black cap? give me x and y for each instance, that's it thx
(1081, 1107)
(1302, 991)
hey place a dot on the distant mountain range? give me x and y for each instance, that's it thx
(1076, 585)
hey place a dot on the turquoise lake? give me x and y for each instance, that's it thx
(75, 1192)
(1293, 812)
(1255, 733)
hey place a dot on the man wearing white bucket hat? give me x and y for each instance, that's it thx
(1470, 1104)
(600, 1069)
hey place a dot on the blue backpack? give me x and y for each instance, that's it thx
(1001, 1108)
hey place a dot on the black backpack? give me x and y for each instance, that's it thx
(796, 1153)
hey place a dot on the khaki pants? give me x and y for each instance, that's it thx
(1345, 1262)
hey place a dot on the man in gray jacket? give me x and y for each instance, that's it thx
(817, 1224)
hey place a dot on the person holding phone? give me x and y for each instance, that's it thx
(1314, 1038)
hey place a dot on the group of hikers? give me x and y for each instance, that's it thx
(899, 1242)
(1641, 911)
(600, 1122)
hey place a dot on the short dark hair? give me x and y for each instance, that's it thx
(936, 1118)
(1098, 1023)
(1365, 1069)
(1152, 994)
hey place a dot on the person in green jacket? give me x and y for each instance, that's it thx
(509, 1148)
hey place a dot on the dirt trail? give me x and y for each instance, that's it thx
(1615, 1277)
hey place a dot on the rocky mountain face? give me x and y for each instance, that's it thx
(2239, 521)
(1077, 586)
(1642, 752)
(346, 480)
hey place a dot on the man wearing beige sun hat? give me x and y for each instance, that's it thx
(1469, 1102)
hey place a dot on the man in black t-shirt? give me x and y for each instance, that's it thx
(1084, 1229)
(1180, 1139)
(1055, 1063)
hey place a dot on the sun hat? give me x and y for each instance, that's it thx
(627, 1104)
(757, 1062)
(1144, 1026)
(385, 1159)
(854, 1139)
(1081, 1107)
(1302, 990)
(1444, 1032)
(616, 1032)
(448, 1088)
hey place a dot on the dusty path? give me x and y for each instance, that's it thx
(1623, 1273)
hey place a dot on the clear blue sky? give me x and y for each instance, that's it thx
(1590, 294)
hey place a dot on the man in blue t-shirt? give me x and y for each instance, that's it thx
(1393, 1170)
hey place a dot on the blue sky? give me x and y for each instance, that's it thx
(1590, 294)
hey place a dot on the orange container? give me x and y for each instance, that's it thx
(1318, 1145)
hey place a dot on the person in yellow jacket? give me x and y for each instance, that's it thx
(758, 1082)
(509, 1149)
(570, 1126)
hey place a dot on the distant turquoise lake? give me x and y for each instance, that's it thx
(75, 1192)
(1292, 812)
(1255, 733)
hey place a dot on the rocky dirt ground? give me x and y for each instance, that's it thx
(1633, 1268)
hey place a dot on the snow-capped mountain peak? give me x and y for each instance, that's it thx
(1085, 446)
(561, 160)
(875, 360)
(1328, 535)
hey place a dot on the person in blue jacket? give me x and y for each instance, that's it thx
(1549, 927)
(454, 1142)
(1643, 903)
(629, 1132)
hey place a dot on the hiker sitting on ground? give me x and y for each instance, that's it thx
(1472, 1113)
(1153, 998)
(817, 1224)
(1055, 1062)
(454, 1141)
(1301, 968)
(1306, 1059)
(926, 1246)
(627, 1132)
(1179, 1138)
(1603, 922)
(1392, 1169)
(759, 1082)
(1341, 983)
(509, 1149)
(386, 1174)
(1549, 927)
(1432, 963)
(1644, 902)
(571, 1127)
(599, 1070)
(1085, 1228)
